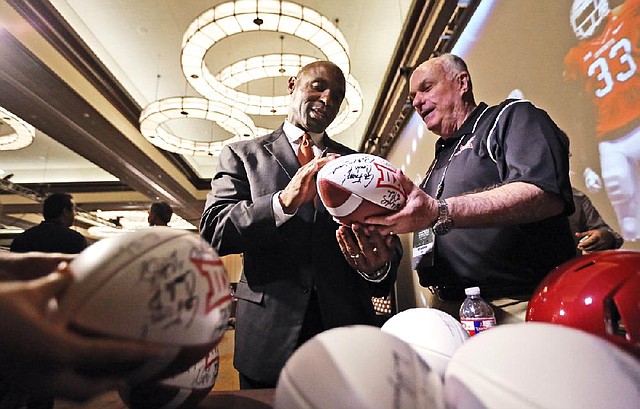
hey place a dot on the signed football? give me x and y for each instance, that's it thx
(182, 391)
(357, 367)
(534, 365)
(158, 285)
(434, 334)
(354, 187)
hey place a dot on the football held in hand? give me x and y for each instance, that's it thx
(354, 187)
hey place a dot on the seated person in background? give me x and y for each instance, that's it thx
(160, 214)
(41, 360)
(590, 230)
(53, 235)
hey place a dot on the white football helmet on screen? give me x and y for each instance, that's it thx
(587, 15)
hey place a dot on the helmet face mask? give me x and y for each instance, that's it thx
(613, 323)
(597, 293)
(587, 15)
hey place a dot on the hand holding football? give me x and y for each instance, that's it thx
(354, 187)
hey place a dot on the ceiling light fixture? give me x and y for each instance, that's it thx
(225, 105)
(229, 118)
(278, 65)
(239, 16)
(22, 136)
(263, 66)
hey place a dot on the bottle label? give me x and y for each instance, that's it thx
(475, 325)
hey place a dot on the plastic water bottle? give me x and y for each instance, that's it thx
(475, 314)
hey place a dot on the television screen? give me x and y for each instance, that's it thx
(577, 60)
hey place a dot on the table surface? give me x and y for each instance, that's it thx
(243, 399)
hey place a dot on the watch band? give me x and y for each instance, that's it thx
(444, 223)
(443, 210)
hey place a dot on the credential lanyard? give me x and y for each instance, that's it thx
(440, 188)
(444, 172)
(424, 241)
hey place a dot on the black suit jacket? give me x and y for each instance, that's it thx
(49, 237)
(280, 265)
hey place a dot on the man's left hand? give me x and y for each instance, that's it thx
(365, 251)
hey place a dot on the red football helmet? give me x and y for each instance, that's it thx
(598, 293)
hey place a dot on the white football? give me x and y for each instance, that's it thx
(182, 391)
(159, 285)
(434, 334)
(356, 186)
(357, 367)
(543, 366)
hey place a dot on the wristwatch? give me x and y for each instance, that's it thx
(444, 223)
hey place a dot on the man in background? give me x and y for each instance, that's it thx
(591, 232)
(160, 214)
(54, 234)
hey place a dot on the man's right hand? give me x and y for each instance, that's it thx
(419, 211)
(302, 187)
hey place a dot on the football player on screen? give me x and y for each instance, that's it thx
(605, 64)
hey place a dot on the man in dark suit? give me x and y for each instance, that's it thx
(54, 234)
(302, 272)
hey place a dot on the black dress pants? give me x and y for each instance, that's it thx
(311, 326)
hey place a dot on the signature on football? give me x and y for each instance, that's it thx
(392, 200)
(356, 171)
(173, 301)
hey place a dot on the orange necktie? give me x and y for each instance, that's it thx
(306, 155)
(305, 152)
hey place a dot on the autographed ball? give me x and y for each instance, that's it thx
(182, 391)
(158, 285)
(357, 367)
(434, 334)
(357, 186)
(531, 365)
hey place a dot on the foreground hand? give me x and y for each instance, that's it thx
(595, 240)
(367, 252)
(47, 360)
(419, 211)
(27, 266)
(302, 187)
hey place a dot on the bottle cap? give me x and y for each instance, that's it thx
(472, 291)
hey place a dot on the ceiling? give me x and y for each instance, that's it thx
(81, 71)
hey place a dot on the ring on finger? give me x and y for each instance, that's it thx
(354, 256)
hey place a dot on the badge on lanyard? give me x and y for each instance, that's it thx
(423, 247)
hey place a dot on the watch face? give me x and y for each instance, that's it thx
(442, 227)
(444, 223)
